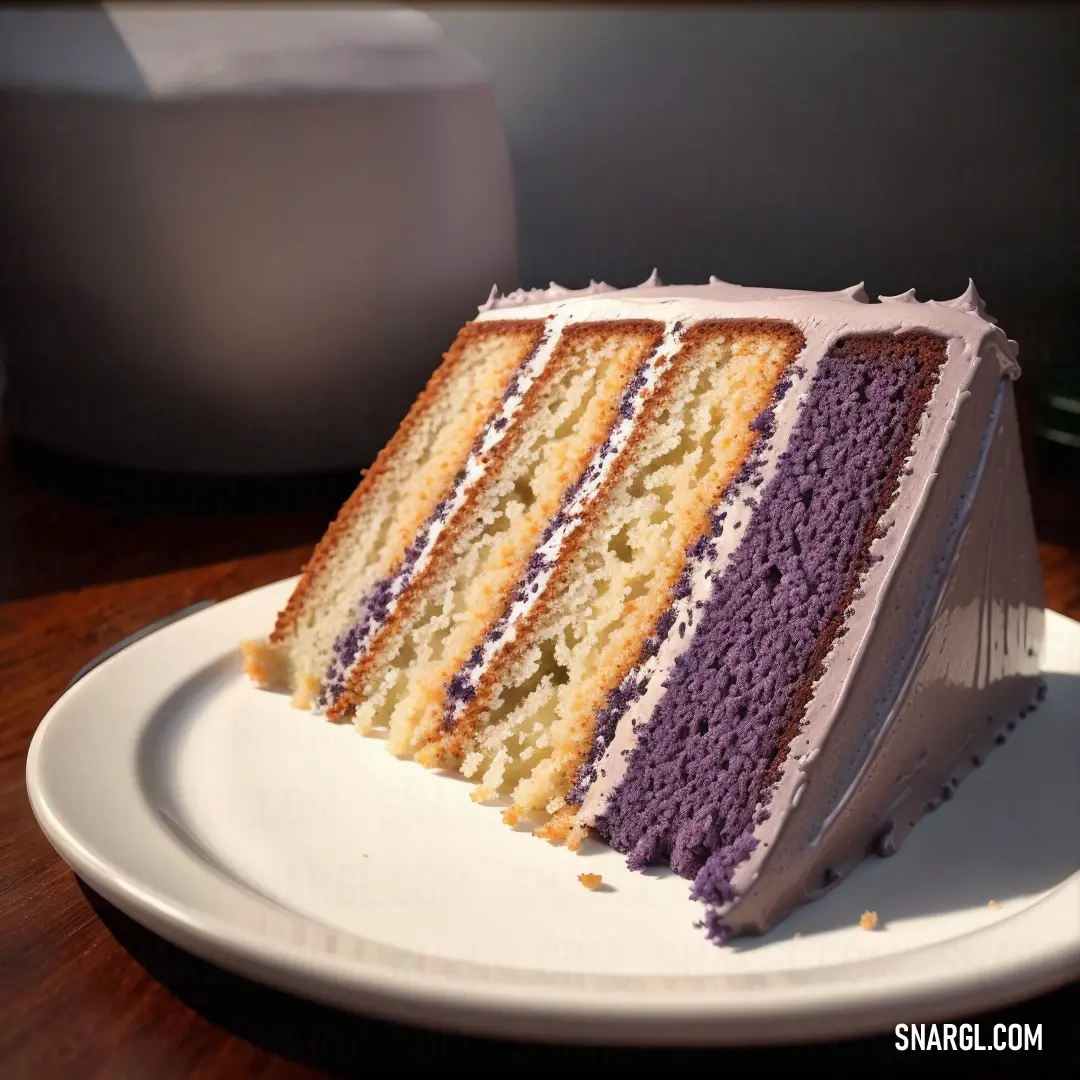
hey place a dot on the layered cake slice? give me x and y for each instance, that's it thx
(742, 581)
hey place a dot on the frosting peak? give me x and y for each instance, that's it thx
(900, 298)
(970, 300)
(856, 292)
(554, 291)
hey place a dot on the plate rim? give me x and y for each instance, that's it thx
(754, 1016)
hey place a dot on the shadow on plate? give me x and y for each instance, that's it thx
(1009, 832)
(342, 1044)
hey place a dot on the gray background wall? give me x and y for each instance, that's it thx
(794, 148)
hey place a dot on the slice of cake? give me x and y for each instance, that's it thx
(742, 580)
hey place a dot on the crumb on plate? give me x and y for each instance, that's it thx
(868, 920)
(993, 904)
(590, 881)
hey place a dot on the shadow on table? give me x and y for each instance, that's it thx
(342, 1044)
(67, 523)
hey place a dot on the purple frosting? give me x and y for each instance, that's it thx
(696, 781)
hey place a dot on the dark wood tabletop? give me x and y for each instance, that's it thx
(89, 555)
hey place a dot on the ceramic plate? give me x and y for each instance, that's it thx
(302, 855)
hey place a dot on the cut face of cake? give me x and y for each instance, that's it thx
(743, 581)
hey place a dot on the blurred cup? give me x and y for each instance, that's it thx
(237, 241)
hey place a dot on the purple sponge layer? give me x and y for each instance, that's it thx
(697, 782)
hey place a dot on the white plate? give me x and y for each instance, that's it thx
(299, 854)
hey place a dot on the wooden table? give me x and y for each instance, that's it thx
(89, 555)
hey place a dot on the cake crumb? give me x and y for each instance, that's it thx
(265, 665)
(427, 756)
(591, 881)
(434, 756)
(481, 794)
(993, 905)
(868, 920)
(556, 827)
(798, 934)
(511, 815)
(576, 836)
(307, 690)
